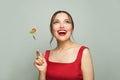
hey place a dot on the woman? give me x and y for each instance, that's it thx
(69, 60)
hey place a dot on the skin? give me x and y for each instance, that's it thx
(66, 50)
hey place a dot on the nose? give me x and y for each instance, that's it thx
(61, 25)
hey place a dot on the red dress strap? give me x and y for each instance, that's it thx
(80, 52)
(47, 54)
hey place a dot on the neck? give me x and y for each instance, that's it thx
(62, 45)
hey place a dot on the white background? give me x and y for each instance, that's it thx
(97, 25)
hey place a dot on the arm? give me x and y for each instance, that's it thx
(42, 76)
(87, 65)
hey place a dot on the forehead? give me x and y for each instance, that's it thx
(62, 15)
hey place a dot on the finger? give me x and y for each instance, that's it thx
(38, 62)
(40, 59)
(37, 53)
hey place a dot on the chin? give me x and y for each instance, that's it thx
(63, 39)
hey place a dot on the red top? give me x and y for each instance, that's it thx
(64, 71)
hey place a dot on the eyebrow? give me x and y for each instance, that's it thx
(64, 19)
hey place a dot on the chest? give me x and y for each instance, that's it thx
(67, 56)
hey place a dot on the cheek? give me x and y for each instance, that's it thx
(70, 29)
(54, 31)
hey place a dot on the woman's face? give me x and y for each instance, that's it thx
(62, 27)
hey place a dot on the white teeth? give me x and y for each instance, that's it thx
(62, 31)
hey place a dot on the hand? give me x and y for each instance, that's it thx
(40, 62)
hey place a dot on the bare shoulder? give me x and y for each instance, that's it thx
(86, 51)
(87, 54)
(78, 46)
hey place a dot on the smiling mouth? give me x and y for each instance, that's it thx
(62, 32)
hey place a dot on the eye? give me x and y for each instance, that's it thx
(55, 22)
(68, 21)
